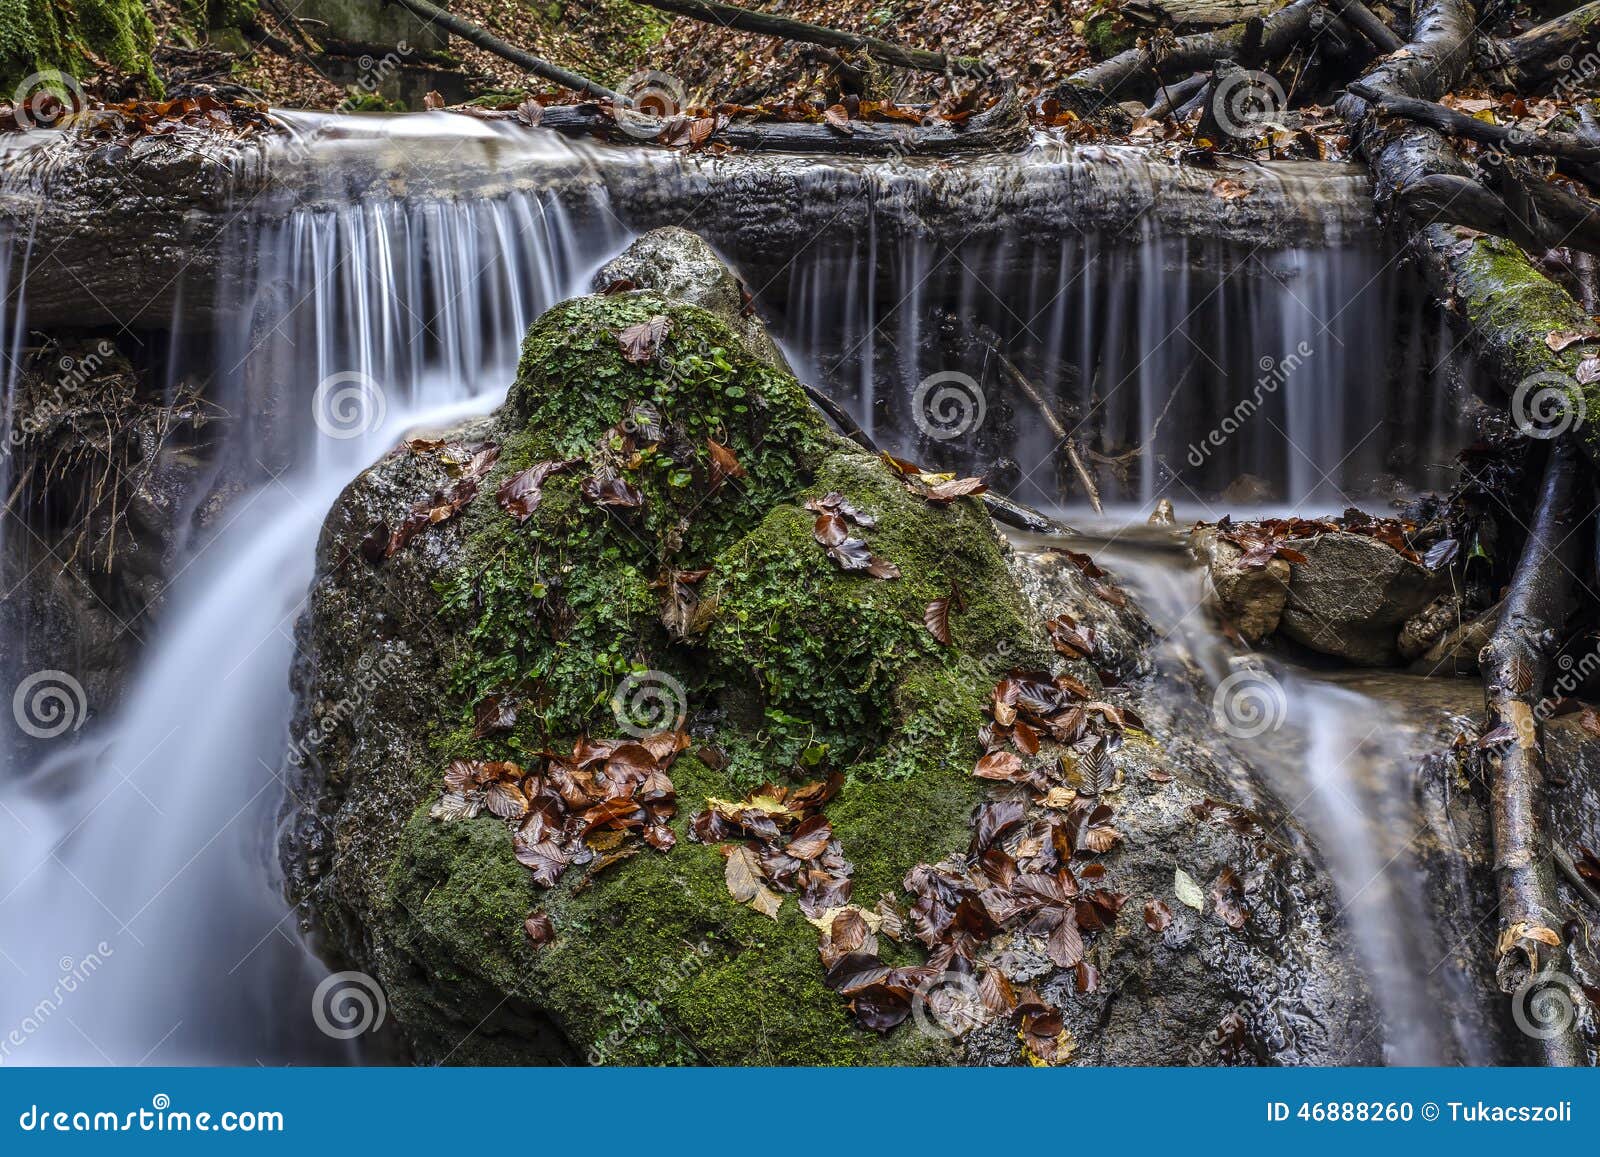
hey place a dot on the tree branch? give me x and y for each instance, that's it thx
(489, 42)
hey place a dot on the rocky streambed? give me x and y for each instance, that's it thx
(832, 835)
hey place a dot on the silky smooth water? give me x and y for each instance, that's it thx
(144, 843)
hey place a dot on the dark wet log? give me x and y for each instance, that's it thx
(1517, 142)
(1507, 308)
(1514, 666)
(1135, 74)
(489, 42)
(1575, 879)
(1365, 21)
(766, 24)
(1563, 53)
(1001, 128)
(1174, 96)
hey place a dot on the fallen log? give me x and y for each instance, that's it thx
(1517, 142)
(1172, 96)
(1565, 51)
(489, 42)
(1001, 128)
(785, 28)
(1136, 73)
(1365, 21)
(1514, 666)
(1196, 13)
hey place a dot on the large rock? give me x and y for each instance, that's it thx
(1251, 598)
(789, 660)
(1351, 596)
(681, 265)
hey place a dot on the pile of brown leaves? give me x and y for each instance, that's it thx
(1029, 44)
(122, 121)
(573, 810)
(787, 846)
(1265, 540)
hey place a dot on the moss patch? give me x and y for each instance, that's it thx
(42, 36)
(796, 669)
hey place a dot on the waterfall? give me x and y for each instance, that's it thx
(367, 308)
(1339, 765)
(146, 846)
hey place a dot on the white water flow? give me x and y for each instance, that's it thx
(144, 845)
(1341, 766)
(139, 865)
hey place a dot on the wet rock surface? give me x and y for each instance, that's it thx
(1251, 598)
(652, 961)
(1351, 596)
(74, 196)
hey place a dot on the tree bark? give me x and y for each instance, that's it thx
(1508, 308)
(766, 24)
(1135, 74)
(1566, 49)
(1514, 666)
(1366, 22)
(491, 43)
(1567, 146)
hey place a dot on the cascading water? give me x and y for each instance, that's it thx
(368, 308)
(146, 846)
(1340, 765)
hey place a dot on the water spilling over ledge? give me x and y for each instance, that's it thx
(393, 266)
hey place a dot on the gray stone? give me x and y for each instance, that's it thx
(682, 265)
(1351, 596)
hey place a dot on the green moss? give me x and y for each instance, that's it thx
(1106, 33)
(40, 36)
(652, 964)
(801, 668)
(1510, 306)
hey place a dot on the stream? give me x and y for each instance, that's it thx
(146, 840)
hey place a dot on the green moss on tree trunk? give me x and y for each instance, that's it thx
(46, 36)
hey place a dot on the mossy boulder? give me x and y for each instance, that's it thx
(795, 668)
(786, 668)
(42, 36)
